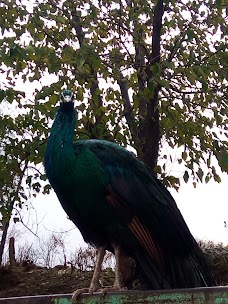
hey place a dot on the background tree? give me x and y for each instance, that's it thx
(20, 176)
(149, 74)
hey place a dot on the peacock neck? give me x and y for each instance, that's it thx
(60, 143)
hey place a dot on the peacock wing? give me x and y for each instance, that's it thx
(149, 208)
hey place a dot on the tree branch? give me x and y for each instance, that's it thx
(157, 26)
(127, 106)
(81, 37)
(150, 127)
(140, 66)
(78, 27)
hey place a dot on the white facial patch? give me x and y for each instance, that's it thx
(67, 98)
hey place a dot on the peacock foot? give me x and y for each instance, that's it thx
(93, 288)
(112, 288)
(78, 292)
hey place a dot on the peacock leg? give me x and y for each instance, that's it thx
(118, 283)
(95, 284)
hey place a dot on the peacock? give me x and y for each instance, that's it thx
(120, 206)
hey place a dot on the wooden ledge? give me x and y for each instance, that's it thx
(204, 295)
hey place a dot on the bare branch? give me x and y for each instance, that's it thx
(22, 222)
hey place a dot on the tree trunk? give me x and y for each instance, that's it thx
(3, 240)
(149, 125)
(12, 259)
(149, 134)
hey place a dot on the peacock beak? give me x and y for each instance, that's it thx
(67, 98)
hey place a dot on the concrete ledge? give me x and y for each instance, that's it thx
(212, 295)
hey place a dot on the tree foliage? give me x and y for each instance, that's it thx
(146, 73)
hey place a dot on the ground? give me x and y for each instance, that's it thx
(22, 281)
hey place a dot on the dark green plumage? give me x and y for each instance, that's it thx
(113, 199)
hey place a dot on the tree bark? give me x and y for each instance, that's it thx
(12, 259)
(149, 126)
(3, 240)
(93, 77)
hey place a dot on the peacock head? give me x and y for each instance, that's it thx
(67, 96)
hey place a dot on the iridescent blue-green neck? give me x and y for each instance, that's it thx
(64, 124)
(60, 144)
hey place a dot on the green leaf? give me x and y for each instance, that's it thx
(80, 60)
(190, 34)
(186, 176)
(16, 219)
(43, 177)
(184, 155)
(223, 161)
(156, 70)
(204, 86)
(200, 174)
(207, 178)
(41, 36)
(2, 95)
(53, 98)
(164, 83)
(217, 178)
(60, 19)
(151, 86)
(157, 169)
